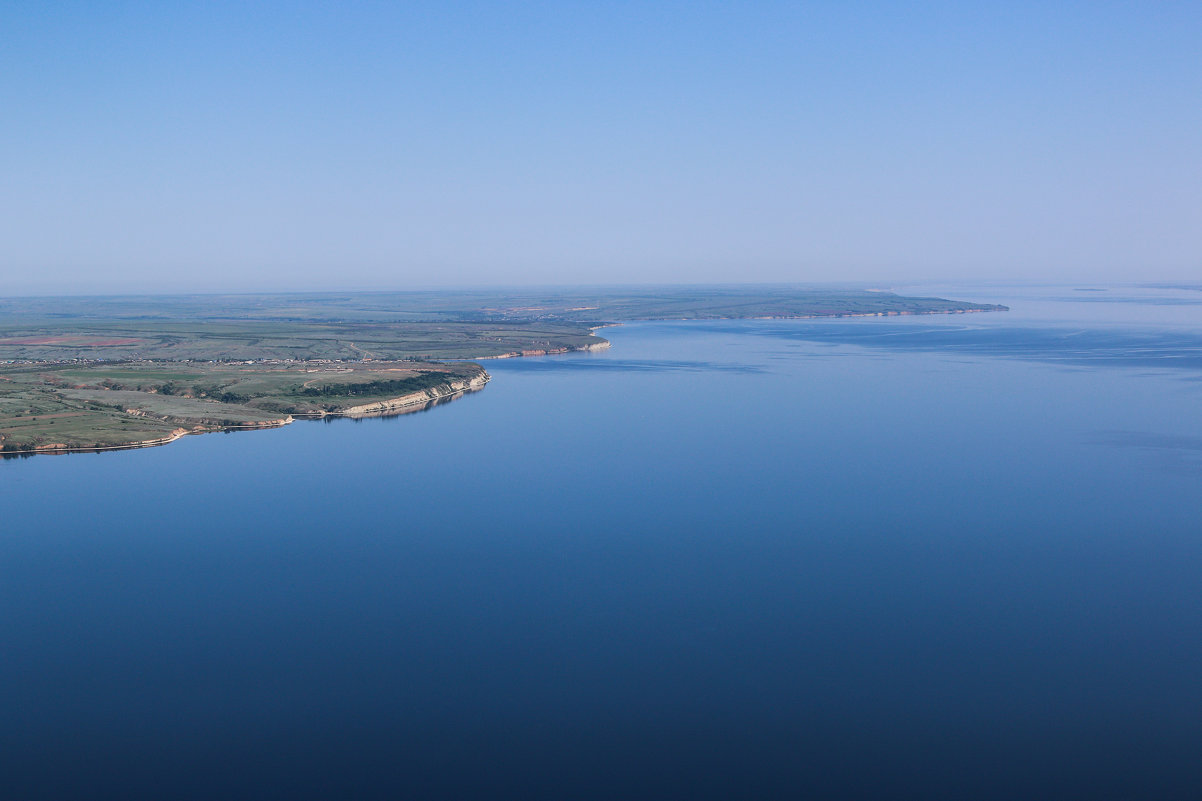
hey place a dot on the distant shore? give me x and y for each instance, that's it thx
(604, 344)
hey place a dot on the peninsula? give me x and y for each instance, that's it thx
(101, 373)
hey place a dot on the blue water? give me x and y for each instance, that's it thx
(930, 557)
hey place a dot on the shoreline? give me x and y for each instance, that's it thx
(428, 397)
(903, 313)
(385, 408)
(518, 354)
(604, 344)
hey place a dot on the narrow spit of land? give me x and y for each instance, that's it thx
(100, 373)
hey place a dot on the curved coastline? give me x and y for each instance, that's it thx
(413, 401)
(604, 344)
(56, 448)
(426, 398)
(398, 405)
(516, 354)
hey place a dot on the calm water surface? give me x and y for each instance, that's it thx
(931, 557)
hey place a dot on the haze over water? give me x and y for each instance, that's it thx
(944, 556)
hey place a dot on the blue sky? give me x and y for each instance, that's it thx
(224, 146)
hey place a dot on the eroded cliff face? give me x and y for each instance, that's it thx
(420, 398)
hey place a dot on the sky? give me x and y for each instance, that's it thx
(209, 146)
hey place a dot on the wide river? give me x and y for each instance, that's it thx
(930, 557)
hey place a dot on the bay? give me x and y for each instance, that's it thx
(926, 557)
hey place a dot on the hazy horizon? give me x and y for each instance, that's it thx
(312, 147)
(899, 287)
